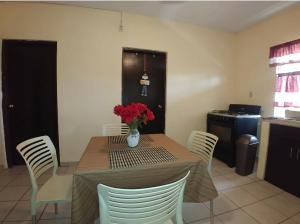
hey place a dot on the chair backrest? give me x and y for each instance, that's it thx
(203, 144)
(115, 129)
(153, 205)
(39, 155)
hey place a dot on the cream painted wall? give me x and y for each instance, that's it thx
(200, 66)
(253, 72)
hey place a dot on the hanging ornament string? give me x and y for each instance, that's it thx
(121, 27)
(144, 63)
(145, 82)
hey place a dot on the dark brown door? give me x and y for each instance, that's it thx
(154, 63)
(29, 93)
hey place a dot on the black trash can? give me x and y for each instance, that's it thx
(246, 148)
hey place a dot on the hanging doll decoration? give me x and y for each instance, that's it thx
(144, 82)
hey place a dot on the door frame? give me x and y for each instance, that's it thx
(2, 139)
(4, 161)
(142, 50)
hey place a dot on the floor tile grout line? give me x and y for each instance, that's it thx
(254, 181)
(269, 207)
(222, 213)
(55, 218)
(242, 211)
(17, 201)
(278, 209)
(298, 213)
(258, 200)
(284, 220)
(16, 174)
(9, 182)
(20, 200)
(240, 207)
(222, 174)
(215, 217)
(251, 216)
(10, 211)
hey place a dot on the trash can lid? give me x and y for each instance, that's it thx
(247, 140)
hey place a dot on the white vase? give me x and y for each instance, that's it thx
(133, 138)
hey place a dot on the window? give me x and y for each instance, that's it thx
(286, 59)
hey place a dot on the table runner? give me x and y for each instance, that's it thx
(94, 168)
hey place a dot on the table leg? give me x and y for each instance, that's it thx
(211, 208)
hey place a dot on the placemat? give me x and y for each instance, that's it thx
(121, 158)
(122, 139)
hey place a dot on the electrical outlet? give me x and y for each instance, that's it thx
(250, 94)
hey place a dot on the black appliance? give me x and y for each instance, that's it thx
(229, 125)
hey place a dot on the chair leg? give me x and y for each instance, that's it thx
(211, 209)
(55, 208)
(33, 211)
(33, 219)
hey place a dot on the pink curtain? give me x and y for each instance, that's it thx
(285, 53)
(291, 47)
(288, 90)
(286, 58)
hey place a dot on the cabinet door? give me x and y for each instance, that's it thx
(294, 188)
(279, 167)
(283, 163)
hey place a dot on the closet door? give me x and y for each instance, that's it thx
(135, 64)
(29, 93)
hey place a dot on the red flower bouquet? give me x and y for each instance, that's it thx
(134, 114)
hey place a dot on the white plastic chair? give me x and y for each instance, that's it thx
(115, 129)
(154, 205)
(203, 144)
(40, 155)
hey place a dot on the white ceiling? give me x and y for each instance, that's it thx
(226, 15)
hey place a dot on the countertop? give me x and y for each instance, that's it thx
(283, 121)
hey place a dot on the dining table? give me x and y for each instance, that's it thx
(157, 160)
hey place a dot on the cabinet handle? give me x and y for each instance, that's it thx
(298, 153)
(291, 152)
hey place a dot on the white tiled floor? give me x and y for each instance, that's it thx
(242, 200)
(15, 193)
